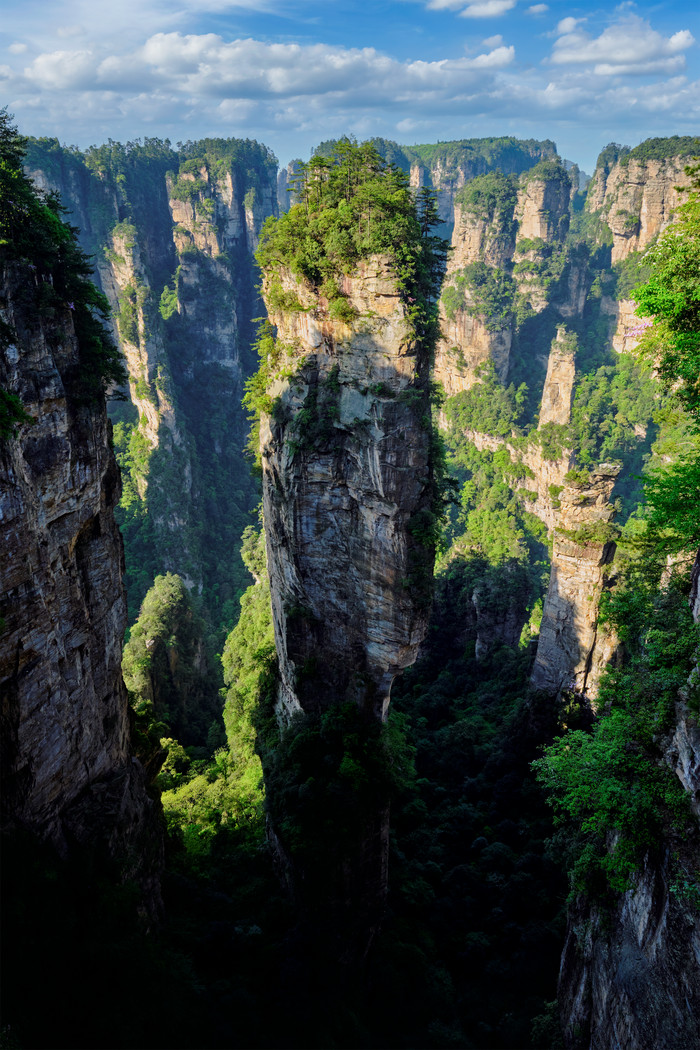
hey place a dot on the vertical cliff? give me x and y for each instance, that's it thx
(173, 236)
(448, 166)
(346, 479)
(68, 773)
(629, 972)
(570, 655)
(508, 264)
(349, 492)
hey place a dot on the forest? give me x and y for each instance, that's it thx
(516, 813)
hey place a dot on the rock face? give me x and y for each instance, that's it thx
(346, 464)
(173, 240)
(508, 261)
(570, 653)
(632, 979)
(68, 775)
(451, 165)
(558, 392)
(637, 198)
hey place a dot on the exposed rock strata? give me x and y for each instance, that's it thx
(145, 237)
(519, 242)
(558, 393)
(68, 774)
(346, 574)
(632, 979)
(637, 198)
(571, 653)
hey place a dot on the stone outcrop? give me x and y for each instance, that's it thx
(558, 393)
(637, 198)
(542, 211)
(523, 247)
(632, 978)
(68, 773)
(572, 652)
(346, 465)
(455, 164)
(173, 253)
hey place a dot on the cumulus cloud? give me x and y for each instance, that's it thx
(630, 46)
(17, 49)
(537, 9)
(567, 25)
(487, 8)
(182, 85)
(204, 66)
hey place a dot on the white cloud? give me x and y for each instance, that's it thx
(498, 59)
(445, 5)
(630, 46)
(493, 41)
(487, 8)
(567, 25)
(537, 9)
(17, 49)
(62, 70)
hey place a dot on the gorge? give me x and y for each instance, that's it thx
(423, 880)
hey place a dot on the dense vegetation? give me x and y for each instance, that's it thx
(353, 205)
(613, 779)
(34, 235)
(468, 953)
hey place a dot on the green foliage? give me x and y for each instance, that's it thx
(488, 407)
(33, 233)
(353, 205)
(12, 415)
(672, 297)
(166, 664)
(168, 302)
(501, 153)
(491, 290)
(550, 169)
(612, 419)
(629, 273)
(554, 439)
(491, 198)
(610, 156)
(607, 787)
(663, 149)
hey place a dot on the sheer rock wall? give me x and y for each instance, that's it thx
(68, 775)
(346, 464)
(572, 651)
(632, 978)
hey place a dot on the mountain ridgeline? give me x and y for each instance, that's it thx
(460, 679)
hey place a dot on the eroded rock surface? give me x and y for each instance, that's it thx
(346, 464)
(68, 774)
(570, 654)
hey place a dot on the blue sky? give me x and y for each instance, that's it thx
(293, 72)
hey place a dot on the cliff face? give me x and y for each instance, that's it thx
(448, 167)
(637, 198)
(173, 238)
(571, 653)
(507, 263)
(68, 774)
(345, 481)
(632, 978)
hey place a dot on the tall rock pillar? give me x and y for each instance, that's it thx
(350, 498)
(570, 653)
